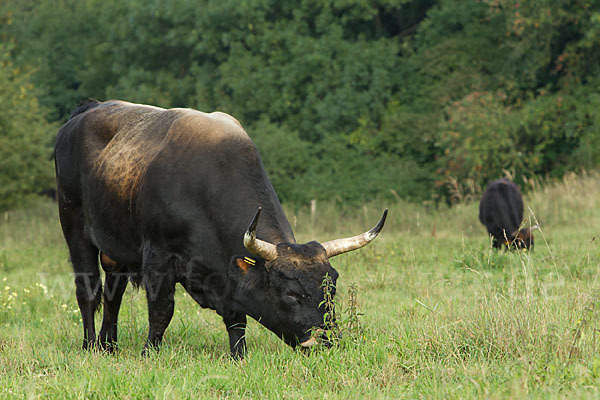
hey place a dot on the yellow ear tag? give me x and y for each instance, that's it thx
(245, 262)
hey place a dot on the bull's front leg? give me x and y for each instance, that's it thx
(236, 328)
(159, 280)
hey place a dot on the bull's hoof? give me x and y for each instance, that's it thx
(109, 347)
(89, 345)
(237, 355)
(149, 349)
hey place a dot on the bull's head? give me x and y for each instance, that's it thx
(523, 238)
(284, 281)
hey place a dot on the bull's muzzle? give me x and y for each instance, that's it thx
(310, 342)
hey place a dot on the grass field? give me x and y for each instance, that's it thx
(443, 316)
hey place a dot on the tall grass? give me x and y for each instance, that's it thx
(438, 313)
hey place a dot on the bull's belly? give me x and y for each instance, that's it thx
(114, 232)
(115, 245)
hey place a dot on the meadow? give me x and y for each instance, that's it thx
(440, 314)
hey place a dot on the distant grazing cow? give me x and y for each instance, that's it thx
(165, 196)
(501, 211)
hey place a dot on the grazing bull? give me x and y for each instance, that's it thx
(501, 211)
(164, 196)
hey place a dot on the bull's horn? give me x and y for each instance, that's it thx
(531, 229)
(258, 247)
(340, 246)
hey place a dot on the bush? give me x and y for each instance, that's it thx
(25, 137)
(345, 99)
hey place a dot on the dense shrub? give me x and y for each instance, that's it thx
(346, 99)
(25, 138)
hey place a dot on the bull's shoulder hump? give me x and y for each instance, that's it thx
(213, 118)
(209, 127)
(225, 118)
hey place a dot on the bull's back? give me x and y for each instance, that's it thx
(115, 142)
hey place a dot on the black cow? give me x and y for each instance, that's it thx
(162, 196)
(501, 211)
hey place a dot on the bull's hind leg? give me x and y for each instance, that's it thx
(84, 257)
(159, 281)
(88, 289)
(114, 287)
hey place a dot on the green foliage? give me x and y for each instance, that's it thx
(25, 137)
(331, 329)
(357, 98)
(286, 157)
(341, 325)
(503, 81)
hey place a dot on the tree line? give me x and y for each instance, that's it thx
(346, 99)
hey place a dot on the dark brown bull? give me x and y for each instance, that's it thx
(165, 196)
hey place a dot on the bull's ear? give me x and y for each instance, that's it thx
(245, 263)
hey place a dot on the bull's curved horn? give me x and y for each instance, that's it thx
(340, 246)
(531, 229)
(258, 247)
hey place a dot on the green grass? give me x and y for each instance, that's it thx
(443, 315)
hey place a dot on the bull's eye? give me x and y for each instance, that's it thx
(292, 298)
